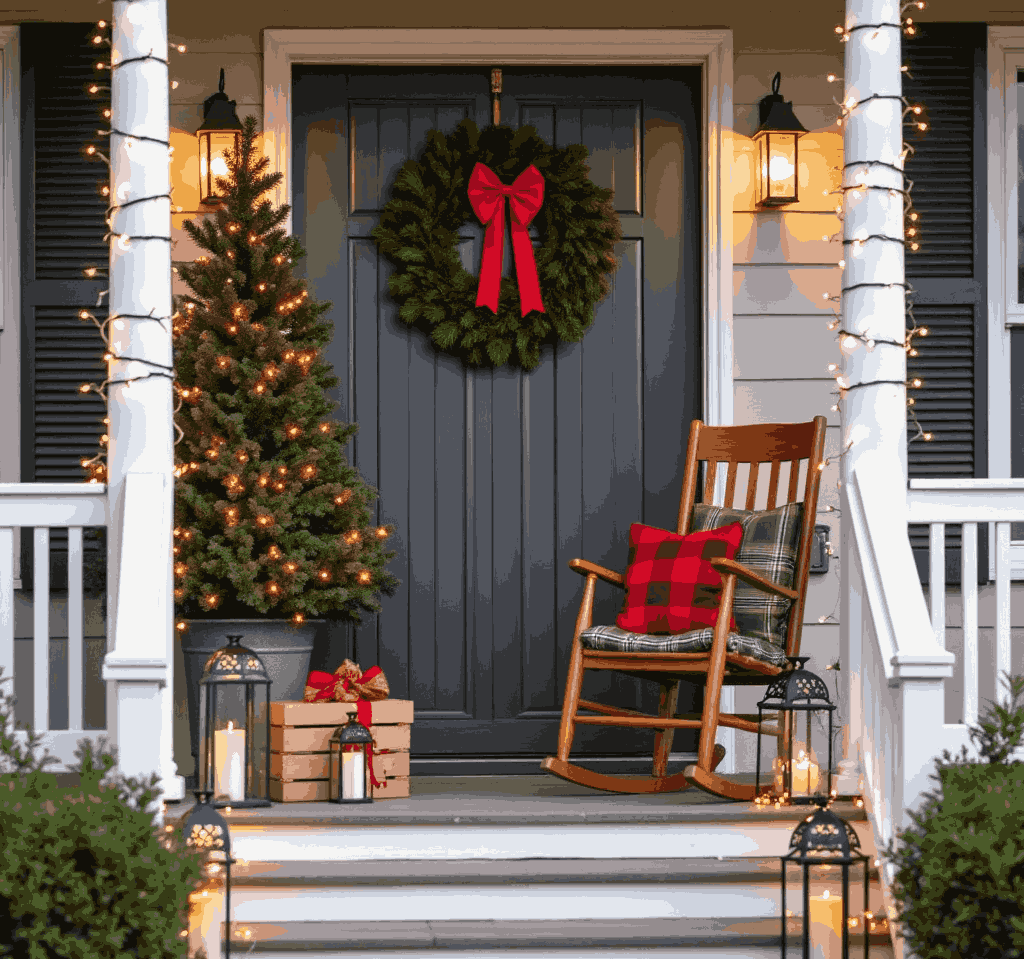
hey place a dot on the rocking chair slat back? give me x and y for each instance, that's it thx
(752, 486)
(756, 445)
(773, 483)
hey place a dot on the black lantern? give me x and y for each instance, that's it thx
(206, 831)
(826, 847)
(776, 140)
(797, 697)
(218, 136)
(351, 755)
(234, 727)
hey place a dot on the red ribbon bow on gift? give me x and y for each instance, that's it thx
(487, 197)
(343, 686)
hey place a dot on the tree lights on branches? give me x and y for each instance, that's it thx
(282, 524)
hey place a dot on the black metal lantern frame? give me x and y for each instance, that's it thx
(793, 695)
(206, 831)
(778, 165)
(353, 784)
(218, 136)
(234, 727)
(824, 842)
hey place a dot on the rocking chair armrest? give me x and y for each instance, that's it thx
(748, 576)
(584, 567)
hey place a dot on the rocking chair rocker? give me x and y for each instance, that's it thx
(712, 656)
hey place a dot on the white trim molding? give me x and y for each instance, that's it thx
(711, 49)
(10, 260)
(1005, 56)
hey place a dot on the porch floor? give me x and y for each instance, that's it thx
(511, 800)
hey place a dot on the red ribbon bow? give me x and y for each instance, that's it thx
(487, 197)
(324, 687)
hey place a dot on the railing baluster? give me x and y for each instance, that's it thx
(937, 580)
(1002, 604)
(76, 658)
(7, 606)
(28, 513)
(969, 594)
(41, 630)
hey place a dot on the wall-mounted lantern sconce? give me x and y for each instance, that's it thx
(776, 140)
(218, 136)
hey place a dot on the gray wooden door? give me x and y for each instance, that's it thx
(496, 478)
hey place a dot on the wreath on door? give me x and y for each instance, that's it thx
(474, 174)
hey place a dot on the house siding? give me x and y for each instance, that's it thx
(782, 264)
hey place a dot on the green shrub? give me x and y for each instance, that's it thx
(960, 867)
(85, 873)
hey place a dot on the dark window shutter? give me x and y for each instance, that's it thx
(946, 67)
(62, 232)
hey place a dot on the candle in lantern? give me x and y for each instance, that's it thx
(229, 753)
(806, 775)
(353, 774)
(825, 925)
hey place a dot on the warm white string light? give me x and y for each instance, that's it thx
(136, 368)
(910, 240)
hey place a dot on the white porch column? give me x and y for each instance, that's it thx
(139, 661)
(874, 409)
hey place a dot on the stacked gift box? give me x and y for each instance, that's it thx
(300, 737)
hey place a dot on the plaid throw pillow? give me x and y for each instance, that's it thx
(670, 585)
(770, 540)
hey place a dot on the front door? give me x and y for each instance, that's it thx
(494, 479)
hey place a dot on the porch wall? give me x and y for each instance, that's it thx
(784, 261)
(782, 264)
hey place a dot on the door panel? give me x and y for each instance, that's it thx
(494, 479)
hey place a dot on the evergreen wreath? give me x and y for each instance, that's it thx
(419, 233)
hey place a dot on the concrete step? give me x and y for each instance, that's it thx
(509, 890)
(689, 904)
(693, 938)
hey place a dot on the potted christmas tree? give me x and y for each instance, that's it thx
(272, 527)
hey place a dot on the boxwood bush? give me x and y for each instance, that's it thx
(959, 877)
(85, 872)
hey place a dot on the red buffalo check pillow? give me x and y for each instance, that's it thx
(670, 585)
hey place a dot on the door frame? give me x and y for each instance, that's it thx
(710, 49)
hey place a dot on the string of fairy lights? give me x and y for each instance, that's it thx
(136, 368)
(852, 339)
(848, 339)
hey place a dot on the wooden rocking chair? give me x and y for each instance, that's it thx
(760, 445)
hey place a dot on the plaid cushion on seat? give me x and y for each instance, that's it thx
(613, 639)
(769, 547)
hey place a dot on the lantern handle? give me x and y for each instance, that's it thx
(776, 81)
(221, 85)
(795, 662)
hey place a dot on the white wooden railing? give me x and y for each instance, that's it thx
(34, 509)
(969, 502)
(895, 643)
(896, 669)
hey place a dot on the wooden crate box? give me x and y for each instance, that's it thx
(300, 736)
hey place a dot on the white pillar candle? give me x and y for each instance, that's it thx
(353, 775)
(806, 776)
(825, 924)
(229, 756)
